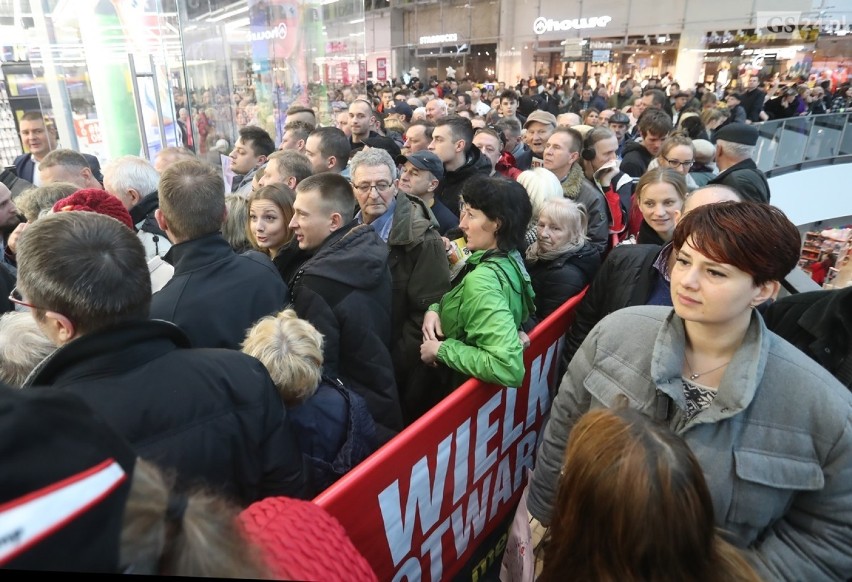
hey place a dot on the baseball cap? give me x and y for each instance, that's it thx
(736, 96)
(539, 116)
(424, 160)
(64, 480)
(403, 108)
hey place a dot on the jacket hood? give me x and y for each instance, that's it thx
(633, 146)
(512, 266)
(475, 163)
(354, 255)
(411, 218)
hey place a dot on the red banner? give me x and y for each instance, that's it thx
(418, 508)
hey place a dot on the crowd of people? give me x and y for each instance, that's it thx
(260, 336)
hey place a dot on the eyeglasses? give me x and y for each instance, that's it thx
(381, 187)
(18, 299)
(677, 163)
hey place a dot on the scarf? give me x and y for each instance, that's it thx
(535, 254)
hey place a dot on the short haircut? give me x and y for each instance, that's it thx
(335, 192)
(754, 237)
(460, 129)
(509, 94)
(597, 134)
(291, 350)
(372, 157)
(35, 201)
(133, 172)
(33, 116)
(576, 138)
(665, 176)
(509, 126)
(333, 142)
(234, 228)
(658, 97)
(280, 195)
(104, 282)
(301, 129)
(428, 126)
(65, 158)
(301, 109)
(442, 105)
(655, 122)
(257, 139)
(735, 150)
(292, 163)
(192, 198)
(22, 346)
(500, 200)
(570, 215)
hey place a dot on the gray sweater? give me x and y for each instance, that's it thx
(775, 444)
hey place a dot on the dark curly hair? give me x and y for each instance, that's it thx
(501, 200)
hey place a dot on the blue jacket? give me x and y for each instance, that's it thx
(775, 443)
(335, 431)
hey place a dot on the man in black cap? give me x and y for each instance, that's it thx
(737, 112)
(619, 123)
(400, 110)
(681, 99)
(421, 173)
(734, 149)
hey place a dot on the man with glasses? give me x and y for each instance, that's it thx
(344, 289)
(417, 262)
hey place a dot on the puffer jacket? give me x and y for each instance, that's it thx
(481, 316)
(775, 444)
(557, 280)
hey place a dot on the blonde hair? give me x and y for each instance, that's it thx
(206, 540)
(22, 347)
(569, 215)
(291, 350)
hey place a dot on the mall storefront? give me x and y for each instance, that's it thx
(641, 38)
(131, 77)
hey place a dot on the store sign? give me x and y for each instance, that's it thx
(543, 25)
(439, 38)
(277, 33)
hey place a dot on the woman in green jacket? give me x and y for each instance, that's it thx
(474, 329)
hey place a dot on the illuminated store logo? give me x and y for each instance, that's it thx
(453, 37)
(277, 33)
(542, 24)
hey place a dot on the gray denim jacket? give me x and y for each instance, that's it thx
(775, 444)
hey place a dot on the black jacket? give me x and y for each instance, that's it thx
(819, 323)
(556, 281)
(636, 159)
(214, 416)
(215, 294)
(449, 189)
(745, 178)
(627, 277)
(752, 103)
(344, 290)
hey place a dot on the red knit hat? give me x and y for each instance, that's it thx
(301, 541)
(95, 200)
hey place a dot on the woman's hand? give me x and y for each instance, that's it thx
(429, 352)
(524, 338)
(432, 326)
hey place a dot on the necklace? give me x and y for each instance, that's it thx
(694, 376)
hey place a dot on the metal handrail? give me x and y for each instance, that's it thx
(788, 142)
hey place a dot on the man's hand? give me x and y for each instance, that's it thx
(12, 243)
